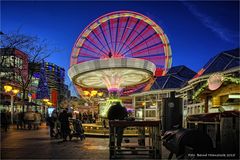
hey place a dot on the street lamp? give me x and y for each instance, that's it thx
(12, 92)
(49, 103)
(92, 94)
(45, 100)
(46, 104)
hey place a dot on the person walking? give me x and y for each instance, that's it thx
(118, 112)
(64, 120)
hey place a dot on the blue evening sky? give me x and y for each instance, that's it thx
(196, 30)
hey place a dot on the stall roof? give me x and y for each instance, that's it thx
(221, 62)
(176, 77)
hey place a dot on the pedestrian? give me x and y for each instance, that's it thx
(18, 119)
(8, 115)
(50, 123)
(118, 112)
(64, 120)
(104, 123)
(37, 119)
(29, 118)
(79, 129)
(4, 120)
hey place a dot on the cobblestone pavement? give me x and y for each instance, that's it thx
(36, 144)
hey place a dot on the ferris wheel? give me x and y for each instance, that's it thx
(123, 34)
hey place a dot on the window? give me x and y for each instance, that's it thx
(11, 61)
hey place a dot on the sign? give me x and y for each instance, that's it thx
(215, 81)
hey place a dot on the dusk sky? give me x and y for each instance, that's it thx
(196, 30)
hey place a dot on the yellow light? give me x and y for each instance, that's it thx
(49, 103)
(15, 91)
(7, 88)
(100, 94)
(45, 100)
(143, 103)
(86, 93)
(94, 92)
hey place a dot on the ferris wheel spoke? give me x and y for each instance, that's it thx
(99, 42)
(94, 45)
(92, 38)
(116, 36)
(138, 34)
(132, 36)
(139, 43)
(123, 23)
(104, 36)
(149, 48)
(129, 34)
(89, 47)
(124, 30)
(110, 32)
(89, 51)
(113, 29)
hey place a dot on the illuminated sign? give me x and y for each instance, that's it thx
(237, 96)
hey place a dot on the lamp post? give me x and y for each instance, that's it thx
(46, 103)
(12, 92)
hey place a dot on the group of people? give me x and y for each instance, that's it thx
(30, 119)
(87, 117)
(62, 125)
(23, 120)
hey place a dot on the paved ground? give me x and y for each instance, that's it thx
(36, 144)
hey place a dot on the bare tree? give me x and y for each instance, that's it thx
(36, 49)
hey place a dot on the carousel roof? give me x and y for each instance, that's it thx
(221, 62)
(176, 77)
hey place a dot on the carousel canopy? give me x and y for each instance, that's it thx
(221, 62)
(176, 77)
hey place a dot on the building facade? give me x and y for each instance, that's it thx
(13, 72)
(55, 76)
(149, 105)
(213, 86)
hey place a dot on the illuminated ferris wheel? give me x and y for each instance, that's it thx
(123, 34)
